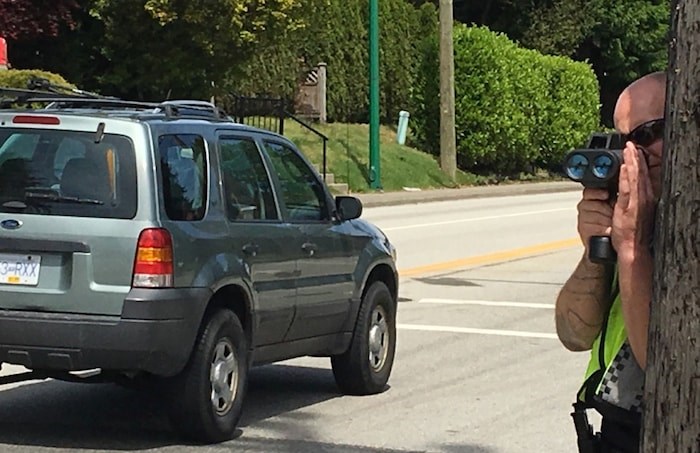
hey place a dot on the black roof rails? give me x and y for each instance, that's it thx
(10, 96)
(39, 83)
(54, 97)
(77, 102)
(40, 90)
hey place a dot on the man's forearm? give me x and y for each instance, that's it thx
(636, 277)
(581, 305)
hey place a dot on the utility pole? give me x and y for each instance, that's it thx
(448, 145)
(375, 174)
(672, 386)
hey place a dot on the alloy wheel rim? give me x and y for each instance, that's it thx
(378, 338)
(223, 377)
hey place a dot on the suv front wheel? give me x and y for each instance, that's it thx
(365, 367)
(207, 397)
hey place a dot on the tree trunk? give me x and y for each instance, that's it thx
(672, 395)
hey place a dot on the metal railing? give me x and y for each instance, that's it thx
(269, 113)
(319, 134)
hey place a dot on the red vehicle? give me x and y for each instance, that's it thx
(3, 52)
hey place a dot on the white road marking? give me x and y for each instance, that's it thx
(475, 219)
(487, 303)
(502, 333)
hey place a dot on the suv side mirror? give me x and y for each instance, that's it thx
(348, 207)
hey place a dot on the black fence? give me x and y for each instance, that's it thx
(261, 112)
(267, 113)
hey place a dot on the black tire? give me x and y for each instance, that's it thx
(356, 371)
(192, 410)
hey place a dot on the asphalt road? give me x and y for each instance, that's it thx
(478, 367)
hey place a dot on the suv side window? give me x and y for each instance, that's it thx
(301, 190)
(246, 183)
(184, 167)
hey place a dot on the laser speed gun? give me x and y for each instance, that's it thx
(597, 166)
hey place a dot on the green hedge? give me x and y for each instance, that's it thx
(514, 108)
(18, 78)
(572, 109)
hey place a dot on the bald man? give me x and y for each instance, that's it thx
(605, 309)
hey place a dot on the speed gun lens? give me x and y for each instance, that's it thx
(576, 166)
(603, 166)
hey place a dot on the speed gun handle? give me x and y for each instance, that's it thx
(601, 251)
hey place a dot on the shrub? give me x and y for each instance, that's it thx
(514, 108)
(18, 78)
(571, 112)
(425, 99)
(497, 98)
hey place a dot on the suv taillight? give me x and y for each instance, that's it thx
(153, 267)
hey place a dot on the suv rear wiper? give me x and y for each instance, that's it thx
(61, 198)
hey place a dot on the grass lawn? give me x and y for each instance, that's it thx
(348, 158)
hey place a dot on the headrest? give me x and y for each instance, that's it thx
(86, 178)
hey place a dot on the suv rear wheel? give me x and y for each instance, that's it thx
(365, 367)
(207, 397)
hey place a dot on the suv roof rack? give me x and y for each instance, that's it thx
(202, 109)
(56, 103)
(40, 90)
(10, 96)
(40, 83)
(57, 97)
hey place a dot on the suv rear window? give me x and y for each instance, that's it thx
(66, 173)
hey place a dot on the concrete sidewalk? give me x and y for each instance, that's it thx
(410, 197)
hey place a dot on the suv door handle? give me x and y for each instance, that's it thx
(310, 248)
(250, 249)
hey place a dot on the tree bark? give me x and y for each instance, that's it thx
(672, 390)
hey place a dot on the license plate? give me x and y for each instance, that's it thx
(19, 269)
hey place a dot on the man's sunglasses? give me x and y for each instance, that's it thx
(646, 133)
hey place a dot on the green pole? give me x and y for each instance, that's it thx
(374, 161)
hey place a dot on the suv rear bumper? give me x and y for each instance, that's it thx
(155, 333)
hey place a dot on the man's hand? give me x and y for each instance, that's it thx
(633, 223)
(595, 215)
(633, 217)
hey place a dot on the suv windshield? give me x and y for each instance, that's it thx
(66, 173)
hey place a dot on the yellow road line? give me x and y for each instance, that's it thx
(491, 258)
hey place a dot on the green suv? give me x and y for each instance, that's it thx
(164, 243)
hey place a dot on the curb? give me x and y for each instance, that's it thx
(377, 199)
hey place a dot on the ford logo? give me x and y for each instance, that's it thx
(11, 224)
